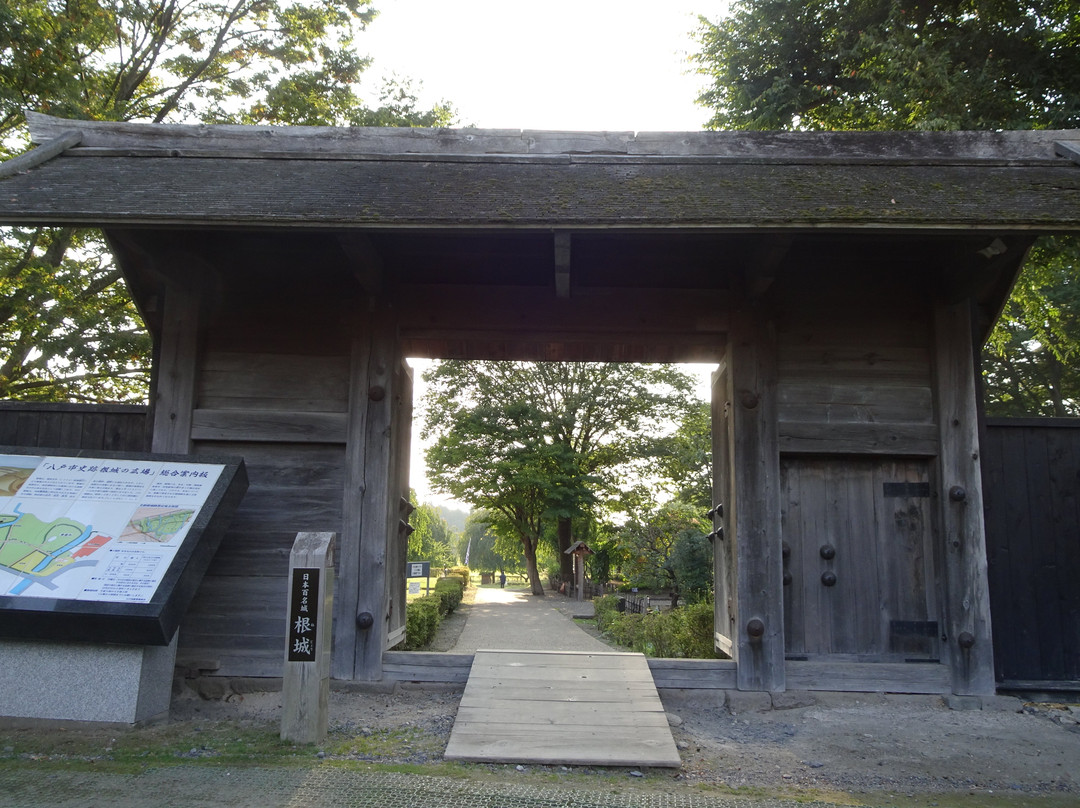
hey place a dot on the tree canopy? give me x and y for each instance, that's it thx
(539, 443)
(892, 64)
(915, 64)
(67, 325)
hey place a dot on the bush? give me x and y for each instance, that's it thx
(449, 591)
(464, 573)
(686, 632)
(422, 618)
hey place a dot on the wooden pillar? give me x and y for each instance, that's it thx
(755, 511)
(967, 596)
(177, 364)
(361, 619)
(725, 587)
(399, 539)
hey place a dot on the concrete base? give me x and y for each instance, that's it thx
(124, 684)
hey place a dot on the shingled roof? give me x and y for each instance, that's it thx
(111, 174)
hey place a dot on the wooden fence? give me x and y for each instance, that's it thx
(1031, 482)
(96, 427)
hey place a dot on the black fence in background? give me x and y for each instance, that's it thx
(95, 427)
(1031, 496)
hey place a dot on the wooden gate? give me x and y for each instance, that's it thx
(859, 570)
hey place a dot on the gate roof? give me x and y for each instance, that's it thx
(313, 177)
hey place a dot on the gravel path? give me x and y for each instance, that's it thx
(514, 620)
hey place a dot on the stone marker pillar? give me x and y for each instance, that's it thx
(306, 679)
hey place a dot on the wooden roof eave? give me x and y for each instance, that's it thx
(259, 192)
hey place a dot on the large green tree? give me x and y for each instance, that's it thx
(68, 329)
(915, 64)
(892, 64)
(611, 418)
(499, 458)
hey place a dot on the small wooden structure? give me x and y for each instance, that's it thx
(579, 550)
(841, 282)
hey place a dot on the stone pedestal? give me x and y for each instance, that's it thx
(124, 684)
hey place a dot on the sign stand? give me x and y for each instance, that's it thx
(306, 679)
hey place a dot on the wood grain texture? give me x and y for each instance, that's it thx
(561, 708)
(305, 691)
(962, 521)
(175, 379)
(756, 501)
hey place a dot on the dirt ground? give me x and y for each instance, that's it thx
(818, 742)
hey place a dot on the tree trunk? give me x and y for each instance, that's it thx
(566, 538)
(530, 565)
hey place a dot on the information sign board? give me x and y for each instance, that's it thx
(418, 569)
(107, 544)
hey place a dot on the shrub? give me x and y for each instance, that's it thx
(686, 632)
(422, 618)
(464, 573)
(449, 592)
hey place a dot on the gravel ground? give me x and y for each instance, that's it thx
(823, 742)
(855, 743)
(842, 749)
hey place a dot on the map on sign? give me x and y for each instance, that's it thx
(94, 529)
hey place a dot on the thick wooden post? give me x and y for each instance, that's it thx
(361, 613)
(961, 506)
(755, 511)
(177, 363)
(305, 683)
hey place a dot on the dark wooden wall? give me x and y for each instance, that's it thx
(271, 386)
(109, 427)
(1031, 471)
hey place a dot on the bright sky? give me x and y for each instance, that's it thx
(615, 65)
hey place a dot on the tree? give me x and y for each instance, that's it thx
(609, 417)
(499, 459)
(668, 549)
(892, 64)
(68, 327)
(913, 64)
(684, 460)
(1031, 366)
(431, 539)
(488, 552)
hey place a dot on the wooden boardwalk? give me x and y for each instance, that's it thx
(558, 707)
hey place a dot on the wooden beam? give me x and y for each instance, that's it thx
(562, 266)
(960, 502)
(43, 153)
(759, 627)
(346, 600)
(370, 515)
(367, 264)
(176, 366)
(437, 312)
(799, 437)
(268, 425)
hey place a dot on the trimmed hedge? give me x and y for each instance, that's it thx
(422, 618)
(686, 632)
(464, 573)
(449, 591)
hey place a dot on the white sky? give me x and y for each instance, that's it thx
(558, 64)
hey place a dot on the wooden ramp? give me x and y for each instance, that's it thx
(562, 707)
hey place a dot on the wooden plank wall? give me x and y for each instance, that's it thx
(855, 379)
(109, 427)
(1031, 486)
(271, 388)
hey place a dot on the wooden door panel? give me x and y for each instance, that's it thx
(865, 523)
